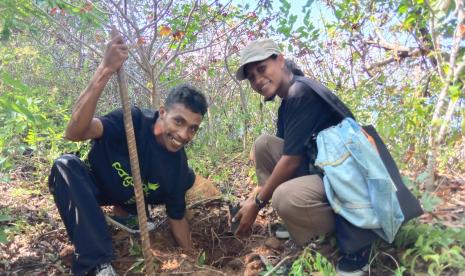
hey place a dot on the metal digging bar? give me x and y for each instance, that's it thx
(135, 171)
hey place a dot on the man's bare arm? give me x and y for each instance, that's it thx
(83, 125)
(181, 232)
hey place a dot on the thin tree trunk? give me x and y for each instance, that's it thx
(447, 119)
(154, 97)
(433, 139)
(81, 54)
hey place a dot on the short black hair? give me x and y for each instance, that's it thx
(189, 96)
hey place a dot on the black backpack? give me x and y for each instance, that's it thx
(350, 237)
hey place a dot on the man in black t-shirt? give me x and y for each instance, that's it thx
(80, 189)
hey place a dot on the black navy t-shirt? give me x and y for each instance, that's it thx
(165, 175)
(302, 113)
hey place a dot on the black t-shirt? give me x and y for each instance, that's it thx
(165, 175)
(302, 113)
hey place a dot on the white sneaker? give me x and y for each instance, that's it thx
(358, 272)
(105, 270)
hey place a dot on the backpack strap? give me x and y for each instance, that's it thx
(327, 96)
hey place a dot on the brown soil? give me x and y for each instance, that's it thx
(38, 244)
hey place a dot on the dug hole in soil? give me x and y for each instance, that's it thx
(218, 251)
(37, 243)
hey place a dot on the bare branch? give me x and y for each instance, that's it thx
(124, 15)
(98, 53)
(434, 40)
(189, 17)
(447, 118)
(402, 51)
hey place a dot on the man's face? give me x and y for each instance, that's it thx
(176, 127)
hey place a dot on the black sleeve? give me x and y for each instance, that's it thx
(303, 112)
(280, 123)
(176, 202)
(190, 179)
(113, 124)
(176, 206)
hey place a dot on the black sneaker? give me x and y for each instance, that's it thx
(233, 209)
(355, 264)
(129, 223)
(104, 270)
(291, 248)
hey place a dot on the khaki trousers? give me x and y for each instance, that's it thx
(300, 202)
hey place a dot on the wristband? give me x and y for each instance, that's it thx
(260, 203)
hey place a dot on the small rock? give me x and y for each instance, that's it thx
(235, 264)
(251, 257)
(66, 255)
(253, 269)
(67, 250)
(45, 244)
(274, 243)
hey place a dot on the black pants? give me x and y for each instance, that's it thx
(78, 199)
(350, 238)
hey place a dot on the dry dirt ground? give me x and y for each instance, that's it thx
(38, 244)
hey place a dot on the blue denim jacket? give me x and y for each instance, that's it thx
(357, 184)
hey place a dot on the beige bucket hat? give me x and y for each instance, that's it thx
(257, 50)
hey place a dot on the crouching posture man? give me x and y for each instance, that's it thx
(80, 188)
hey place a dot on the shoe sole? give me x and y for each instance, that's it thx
(360, 272)
(150, 225)
(282, 234)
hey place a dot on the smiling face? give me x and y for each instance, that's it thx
(176, 126)
(267, 76)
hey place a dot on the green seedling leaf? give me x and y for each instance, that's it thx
(430, 202)
(421, 177)
(4, 218)
(3, 238)
(201, 259)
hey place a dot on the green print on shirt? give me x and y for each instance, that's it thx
(127, 179)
